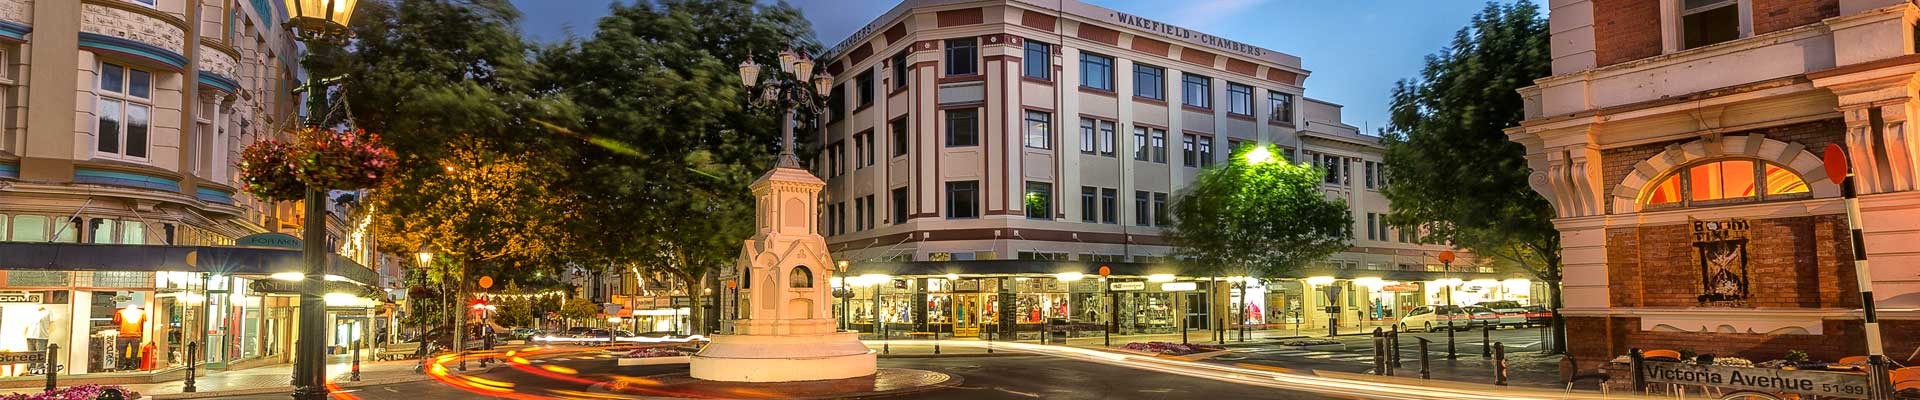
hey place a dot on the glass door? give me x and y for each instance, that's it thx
(1196, 306)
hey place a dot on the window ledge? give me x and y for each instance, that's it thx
(1238, 116)
(1194, 108)
(1097, 91)
(1150, 100)
(1025, 78)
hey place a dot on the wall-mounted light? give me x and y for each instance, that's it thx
(1160, 278)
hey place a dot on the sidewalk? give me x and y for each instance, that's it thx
(269, 379)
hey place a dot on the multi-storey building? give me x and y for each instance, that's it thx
(980, 154)
(1681, 144)
(119, 207)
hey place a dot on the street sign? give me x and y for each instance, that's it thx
(1126, 286)
(1178, 286)
(1836, 160)
(682, 301)
(31, 357)
(486, 282)
(1446, 257)
(1819, 383)
(1104, 271)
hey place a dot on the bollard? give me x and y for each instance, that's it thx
(356, 364)
(990, 335)
(1425, 373)
(53, 366)
(1638, 367)
(936, 340)
(1499, 364)
(192, 348)
(1486, 337)
(1379, 353)
(1451, 355)
(1393, 348)
(885, 346)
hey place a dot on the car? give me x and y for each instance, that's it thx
(523, 333)
(1481, 316)
(1434, 318)
(1511, 313)
(1539, 316)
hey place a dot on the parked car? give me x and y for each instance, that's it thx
(1511, 312)
(1539, 316)
(1434, 318)
(1481, 316)
(523, 333)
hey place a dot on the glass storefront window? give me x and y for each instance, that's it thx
(116, 332)
(25, 327)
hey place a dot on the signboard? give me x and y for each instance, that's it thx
(1404, 287)
(269, 239)
(1178, 286)
(29, 357)
(1721, 253)
(1126, 286)
(20, 297)
(1819, 383)
(682, 301)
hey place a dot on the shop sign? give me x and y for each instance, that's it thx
(1126, 286)
(19, 297)
(682, 301)
(1818, 383)
(1404, 287)
(1721, 252)
(1178, 286)
(29, 357)
(269, 239)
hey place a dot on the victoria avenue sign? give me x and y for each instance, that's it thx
(1820, 383)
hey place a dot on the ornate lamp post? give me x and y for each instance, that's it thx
(787, 91)
(315, 21)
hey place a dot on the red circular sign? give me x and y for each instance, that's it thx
(1836, 163)
(1104, 271)
(1446, 257)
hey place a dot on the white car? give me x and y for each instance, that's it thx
(1434, 318)
(1511, 312)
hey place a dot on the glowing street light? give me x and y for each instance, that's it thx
(1160, 278)
(1069, 276)
(1259, 155)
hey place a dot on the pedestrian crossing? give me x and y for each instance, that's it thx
(1308, 354)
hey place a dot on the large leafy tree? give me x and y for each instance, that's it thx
(665, 144)
(1454, 173)
(1257, 216)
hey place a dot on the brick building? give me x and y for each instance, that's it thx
(1679, 142)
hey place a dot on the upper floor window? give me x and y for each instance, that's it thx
(1706, 22)
(1039, 129)
(1096, 71)
(1725, 181)
(1239, 99)
(963, 199)
(1149, 82)
(1039, 61)
(864, 83)
(963, 57)
(900, 69)
(1196, 90)
(963, 127)
(125, 107)
(899, 129)
(1281, 105)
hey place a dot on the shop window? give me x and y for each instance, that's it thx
(1707, 22)
(800, 278)
(1725, 181)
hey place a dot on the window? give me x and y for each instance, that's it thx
(864, 84)
(1382, 227)
(1039, 200)
(840, 216)
(1096, 71)
(1190, 150)
(1159, 145)
(860, 150)
(1160, 217)
(1039, 61)
(1039, 130)
(1206, 151)
(859, 212)
(899, 205)
(1725, 181)
(1106, 138)
(1706, 22)
(1110, 205)
(800, 278)
(836, 104)
(1239, 99)
(1281, 105)
(962, 57)
(831, 220)
(1332, 164)
(1196, 90)
(1087, 129)
(1149, 82)
(1234, 145)
(963, 200)
(871, 206)
(148, 3)
(1088, 213)
(1371, 220)
(1140, 144)
(900, 69)
(1142, 214)
(124, 111)
(868, 152)
(899, 129)
(963, 127)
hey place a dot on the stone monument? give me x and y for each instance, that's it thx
(786, 329)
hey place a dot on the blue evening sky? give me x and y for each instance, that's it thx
(1355, 48)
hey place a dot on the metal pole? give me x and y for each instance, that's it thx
(1425, 373)
(1499, 364)
(1862, 275)
(1393, 348)
(1638, 367)
(1451, 355)
(356, 364)
(1486, 337)
(936, 337)
(1113, 316)
(53, 366)
(1179, 302)
(193, 347)
(310, 369)
(1379, 352)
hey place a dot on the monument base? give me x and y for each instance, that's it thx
(783, 358)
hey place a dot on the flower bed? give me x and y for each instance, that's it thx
(654, 356)
(80, 392)
(1171, 348)
(645, 352)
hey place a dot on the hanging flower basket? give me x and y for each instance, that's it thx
(316, 158)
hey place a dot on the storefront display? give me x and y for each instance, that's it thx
(24, 326)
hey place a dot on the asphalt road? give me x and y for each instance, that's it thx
(1527, 366)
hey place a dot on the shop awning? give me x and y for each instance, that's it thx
(1044, 267)
(262, 261)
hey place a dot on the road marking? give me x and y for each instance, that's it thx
(1321, 355)
(1293, 352)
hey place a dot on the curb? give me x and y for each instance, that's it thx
(410, 377)
(961, 355)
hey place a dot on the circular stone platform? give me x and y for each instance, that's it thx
(884, 382)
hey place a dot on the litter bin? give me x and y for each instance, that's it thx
(1056, 331)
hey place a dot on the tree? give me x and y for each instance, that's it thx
(579, 309)
(1454, 173)
(1256, 216)
(662, 76)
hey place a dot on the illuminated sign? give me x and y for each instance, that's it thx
(1125, 286)
(1178, 286)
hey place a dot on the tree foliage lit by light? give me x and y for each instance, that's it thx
(1258, 218)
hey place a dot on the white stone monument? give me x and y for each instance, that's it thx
(786, 331)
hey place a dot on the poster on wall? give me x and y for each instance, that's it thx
(1721, 252)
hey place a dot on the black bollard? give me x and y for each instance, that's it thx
(1451, 355)
(1499, 364)
(192, 348)
(356, 364)
(1425, 373)
(936, 339)
(1393, 348)
(1486, 337)
(885, 346)
(1379, 352)
(53, 366)
(990, 335)
(1638, 367)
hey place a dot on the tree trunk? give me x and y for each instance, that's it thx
(697, 309)
(1559, 322)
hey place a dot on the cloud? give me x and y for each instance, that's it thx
(1203, 14)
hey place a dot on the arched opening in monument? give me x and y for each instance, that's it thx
(800, 278)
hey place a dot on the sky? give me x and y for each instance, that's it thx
(1356, 49)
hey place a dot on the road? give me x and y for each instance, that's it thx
(1522, 346)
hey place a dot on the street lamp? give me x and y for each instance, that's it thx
(794, 90)
(315, 21)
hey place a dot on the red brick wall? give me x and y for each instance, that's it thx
(1625, 30)
(1774, 15)
(1794, 262)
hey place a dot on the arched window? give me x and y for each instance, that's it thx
(1724, 181)
(800, 278)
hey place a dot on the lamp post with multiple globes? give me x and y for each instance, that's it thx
(312, 22)
(794, 88)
